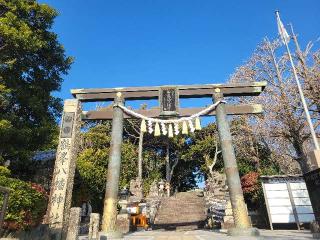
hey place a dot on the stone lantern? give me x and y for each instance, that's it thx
(123, 199)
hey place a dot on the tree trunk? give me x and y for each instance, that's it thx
(305, 72)
(305, 167)
(168, 168)
(302, 159)
(140, 155)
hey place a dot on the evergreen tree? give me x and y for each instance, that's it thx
(32, 63)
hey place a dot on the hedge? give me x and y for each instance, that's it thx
(27, 202)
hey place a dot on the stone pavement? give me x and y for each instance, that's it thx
(210, 235)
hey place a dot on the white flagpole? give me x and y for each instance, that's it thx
(305, 107)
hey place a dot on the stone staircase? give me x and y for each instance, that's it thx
(184, 211)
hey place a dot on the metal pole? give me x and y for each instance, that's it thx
(304, 104)
(111, 197)
(241, 218)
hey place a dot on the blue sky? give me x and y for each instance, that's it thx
(159, 42)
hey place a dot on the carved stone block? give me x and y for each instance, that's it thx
(74, 224)
(94, 226)
(123, 223)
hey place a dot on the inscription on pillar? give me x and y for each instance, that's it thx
(59, 185)
(67, 124)
(169, 101)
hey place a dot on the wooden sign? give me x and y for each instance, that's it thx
(287, 200)
(169, 101)
(312, 180)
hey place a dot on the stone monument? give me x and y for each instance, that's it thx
(63, 176)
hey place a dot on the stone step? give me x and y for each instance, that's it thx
(185, 211)
(180, 210)
(184, 203)
(175, 204)
(181, 221)
(180, 226)
(167, 215)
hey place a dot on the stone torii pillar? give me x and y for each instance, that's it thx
(240, 215)
(63, 176)
(111, 197)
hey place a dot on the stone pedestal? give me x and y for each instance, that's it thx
(94, 226)
(123, 223)
(74, 223)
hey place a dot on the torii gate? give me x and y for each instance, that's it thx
(63, 177)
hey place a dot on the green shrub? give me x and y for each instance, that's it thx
(5, 172)
(27, 203)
